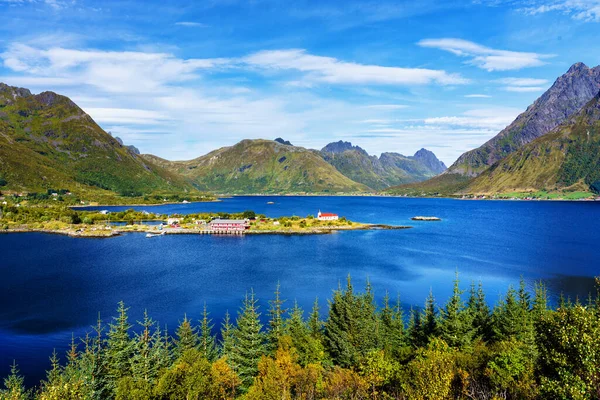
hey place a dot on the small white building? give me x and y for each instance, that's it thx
(327, 216)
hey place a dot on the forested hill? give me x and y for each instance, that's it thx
(521, 349)
(48, 142)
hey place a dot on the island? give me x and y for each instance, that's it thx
(103, 223)
(421, 218)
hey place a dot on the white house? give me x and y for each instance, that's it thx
(327, 216)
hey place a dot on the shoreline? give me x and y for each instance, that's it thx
(118, 232)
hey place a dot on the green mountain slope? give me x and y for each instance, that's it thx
(566, 158)
(261, 166)
(47, 141)
(378, 173)
(565, 98)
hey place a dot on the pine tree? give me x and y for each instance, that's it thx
(208, 346)
(310, 350)
(415, 329)
(144, 364)
(315, 325)
(276, 312)
(456, 327)
(392, 326)
(187, 337)
(14, 385)
(480, 312)
(227, 339)
(119, 346)
(249, 342)
(430, 319)
(540, 301)
(341, 322)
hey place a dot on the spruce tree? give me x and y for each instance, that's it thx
(227, 339)
(249, 342)
(392, 326)
(456, 327)
(315, 325)
(430, 319)
(208, 346)
(339, 327)
(415, 329)
(187, 337)
(276, 312)
(144, 364)
(14, 385)
(480, 312)
(119, 346)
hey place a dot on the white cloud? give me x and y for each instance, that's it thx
(478, 96)
(585, 10)
(191, 24)
(334, 71)
(523, 81)
(485, 57)
(524, 89)
(523, 85)
(493, 119)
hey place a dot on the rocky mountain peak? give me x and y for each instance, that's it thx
(340, 147)
(577, 67)
(8, 94)
(429, 159)
(281, 141)
(569, 93)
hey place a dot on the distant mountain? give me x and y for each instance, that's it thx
(567, 95)
(286, 142)
(429, 160)
(381, 172)
(262, 166)
(567, 158)
(48, 142)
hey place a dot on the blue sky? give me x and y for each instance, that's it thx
(181, 79)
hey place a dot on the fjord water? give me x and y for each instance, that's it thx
(53, 286)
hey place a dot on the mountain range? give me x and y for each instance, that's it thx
(535, 151)
(48, 142)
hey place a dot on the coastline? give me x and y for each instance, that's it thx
(104, 233)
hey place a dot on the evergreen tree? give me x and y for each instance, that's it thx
(276, 312)
(315, 325)
(480, 312)
(430, 319)
(208, 346)
(144, 363)
(415, 329)
(249, 342)
(93, 364)
(392, 326)
(456, 327)
(187, 337)
(540, 301)
(227, 339)
(14, 385)
(351, 330)
(511, 318)
(120, 347)
(310, 350)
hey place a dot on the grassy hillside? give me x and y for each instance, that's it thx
(261, 166)
(47, 141)
(442, 185)
(568, 159)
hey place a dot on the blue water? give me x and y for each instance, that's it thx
(53, 286)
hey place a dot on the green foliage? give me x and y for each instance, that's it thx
(360, 352)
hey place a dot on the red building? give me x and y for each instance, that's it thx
(228, 225)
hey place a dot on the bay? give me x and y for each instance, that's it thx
(54, 286)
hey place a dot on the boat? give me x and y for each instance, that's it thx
(270, 202)
(149, 235)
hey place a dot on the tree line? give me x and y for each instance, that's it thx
(520, 349)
